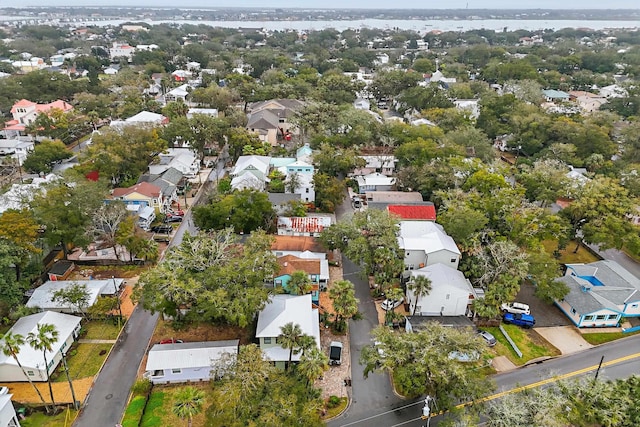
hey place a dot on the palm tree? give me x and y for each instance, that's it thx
(420, 286)
(345, 303)
(291, 338)
(43, 340)
(10, 346)
(188, 403)
(313, 364)
(299, 283)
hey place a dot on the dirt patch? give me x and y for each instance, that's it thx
(201, 332)
(107, 272)
(24, 393)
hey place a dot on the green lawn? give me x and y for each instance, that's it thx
(86, 361)
(605, 337)
(567, 256)
(100, 330)
(134, 411)
(38, 419)
(158, 412)
(529, 342)
(155, 411)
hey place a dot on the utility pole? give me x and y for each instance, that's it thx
(76, 406)
(118, 301)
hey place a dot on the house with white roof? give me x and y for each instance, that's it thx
(19, 195)
(8, 417)
(600, 294)
(121, 50)
(375, 182)
(425, 243)
(179, 93)
(280, 310)
(143, 118)
(42, 296)
(184, 160)
(451, 293)
(255, 166)
(16, 149)
(471, 106)
(68, 328)
(190, 361)
(613, 91)
(213, 112)
(384, 164)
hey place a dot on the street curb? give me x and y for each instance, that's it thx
(346, 408)
(393, 387)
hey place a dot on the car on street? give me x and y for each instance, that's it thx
(173, 218)
(524, 320)
(171, 341)
(488, 337)
(335, 353)
(390, 304)
(515, 308)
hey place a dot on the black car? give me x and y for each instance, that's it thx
(173, 218)
(165, 229)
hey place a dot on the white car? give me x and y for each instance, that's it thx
(390, 304)
(515, 308)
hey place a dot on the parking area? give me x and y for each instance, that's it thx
(332, 383)
(546, 314)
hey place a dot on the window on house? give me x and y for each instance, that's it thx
(266, 340)
(31, 373)
(306, 190)
(411, 267)
(587, 318)
(454, 259)
(448, 296)
(634, 305)
(407, 254)
(612, 317)
(176, 370)
(573, 311)
(278, 282)
(601, 317)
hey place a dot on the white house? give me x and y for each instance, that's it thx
(213, 112)
(384, 164)
(280, 310)
(600, 294)
(190, 361)
(471, 106)
(425, 243)
(121, 50)
(8, 417)
(613, 91)
(179, 93)
(184, 160)
(247, 181)
(374, 182)
(19, 195)
(304, 186)
(16, 149)
(255, 166)
(143, 118)
(68, 328)
(42, 296)
(451, 293)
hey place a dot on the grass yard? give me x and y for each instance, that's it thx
(605, 337)
(158, 412)
(201, 332)
(567, 256)
(39, 419)
(100, 330)
(86, 362)
(528, 341)
(133, 413)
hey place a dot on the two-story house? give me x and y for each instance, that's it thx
(250, 172)
(280, 310)
(271, 120)
(425, 243)
(451, 293)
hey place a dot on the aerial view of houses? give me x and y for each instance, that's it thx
(204, 225)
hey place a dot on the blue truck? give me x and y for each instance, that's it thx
(524, 320)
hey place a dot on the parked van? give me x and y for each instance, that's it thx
(524, 320)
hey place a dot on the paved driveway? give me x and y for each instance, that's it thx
(545, 314)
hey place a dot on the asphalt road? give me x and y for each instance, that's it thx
(621, 360)
(108, 397)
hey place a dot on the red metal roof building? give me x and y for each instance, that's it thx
(409, 212)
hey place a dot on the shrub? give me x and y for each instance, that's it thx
(333, 402)
(141, 387)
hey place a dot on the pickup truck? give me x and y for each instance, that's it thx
(524, 320)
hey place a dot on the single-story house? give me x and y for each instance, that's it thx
(425, 243)
(451, 293)
(280, 310)
(61, 270)
(32, 361)
(248, 181)
(374, 182)
(552, 95)
(296, 245)
(143, 193)
(8, 417)
(600, 294)
(143, 118)
(311, 225)
(281, 202)
(190, 361)
(213, 112)
(43, 294)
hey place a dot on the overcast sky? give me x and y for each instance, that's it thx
(364, 4)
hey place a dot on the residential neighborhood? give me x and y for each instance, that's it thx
(204, 225)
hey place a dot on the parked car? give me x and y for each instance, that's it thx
(524, 320)
(335, 353)
(171, 341)
(515, 308)
(164, 229)
(161, 238)
(357, 204)
(390, 304)
(488, 337)
(178, 212)
(173, 218)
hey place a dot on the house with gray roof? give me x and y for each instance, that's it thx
(170, 182)
(600, 294)
(190, 361)
(271, 119)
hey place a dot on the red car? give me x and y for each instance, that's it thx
(171, 341)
